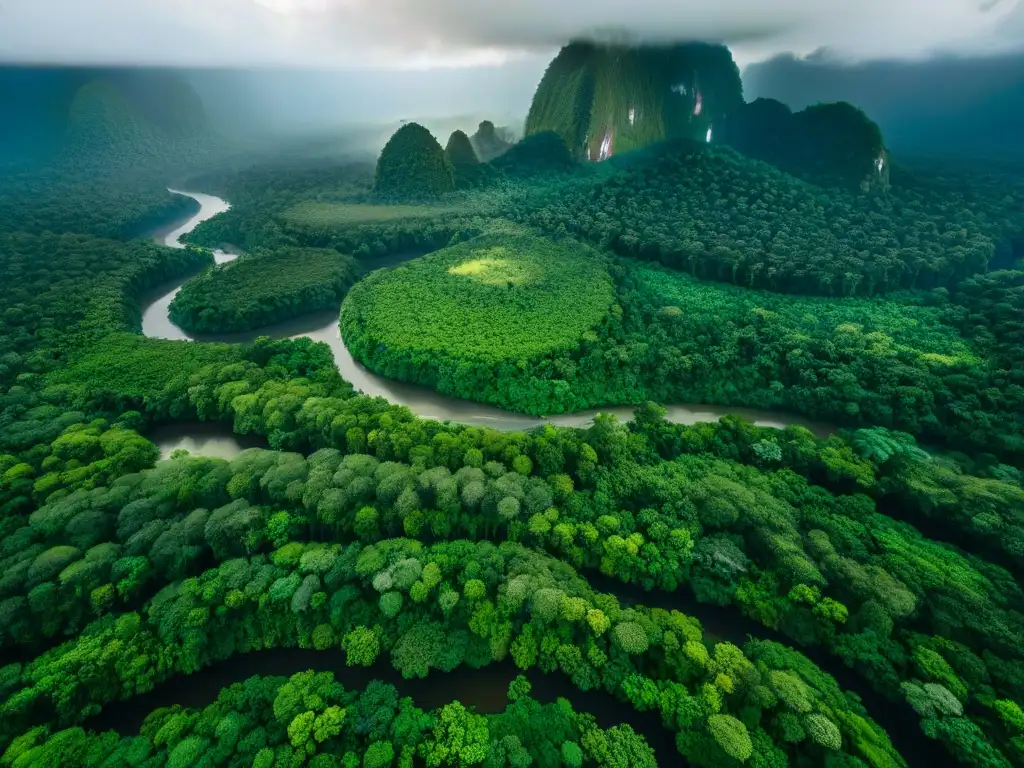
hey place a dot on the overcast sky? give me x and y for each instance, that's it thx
(391, 34)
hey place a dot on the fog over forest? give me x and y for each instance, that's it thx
(300, 100)
(963, 106)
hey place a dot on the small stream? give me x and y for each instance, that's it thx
(485, 689)
(482, 689)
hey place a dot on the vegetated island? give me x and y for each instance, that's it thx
(264, 288)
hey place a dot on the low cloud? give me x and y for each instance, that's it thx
(424, 33)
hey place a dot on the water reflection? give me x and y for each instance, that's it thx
(202, 438)
(483, 689)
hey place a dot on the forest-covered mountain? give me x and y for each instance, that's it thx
(604, 100)
(957, 106)
(608, 99)
(91, 151)
(81, 119)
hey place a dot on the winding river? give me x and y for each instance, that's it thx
(323, 326)
(485, 688)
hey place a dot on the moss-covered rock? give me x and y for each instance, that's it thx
(412, 165)
(460, 151)
(463, 160)
(607, 99)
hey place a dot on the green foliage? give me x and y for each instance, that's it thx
(460, 738)
(446, 320)
(631, 637)
(536, 155)
(62, 292)
(931, 700)
(572, 755)
(989, 309)
(311, 713)
(125, 371)
(55, 202)
(714, 213)
(412, 165)
(244, 726)
(379, 755)
(823, 732)
(731, 735)
(362, 646)
(679, 339)
(239, 296)
(146, 573)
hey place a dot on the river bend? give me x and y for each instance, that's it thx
(323, 326)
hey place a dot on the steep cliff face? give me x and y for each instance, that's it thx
(607, 99)
(604, 100)
(833, 144)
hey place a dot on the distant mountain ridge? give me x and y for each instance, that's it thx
(604, 100)
(105, 131)
(110, 121)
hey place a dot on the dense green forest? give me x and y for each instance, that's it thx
(62, 292)
(622, 594)
(902, 366)
(895, 362)
(464, 318)
(263, 288)
(271, 721)
(49, 201)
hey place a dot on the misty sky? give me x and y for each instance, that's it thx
(389, 34)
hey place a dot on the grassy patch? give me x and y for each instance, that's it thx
(495, 269)
(340, 215)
